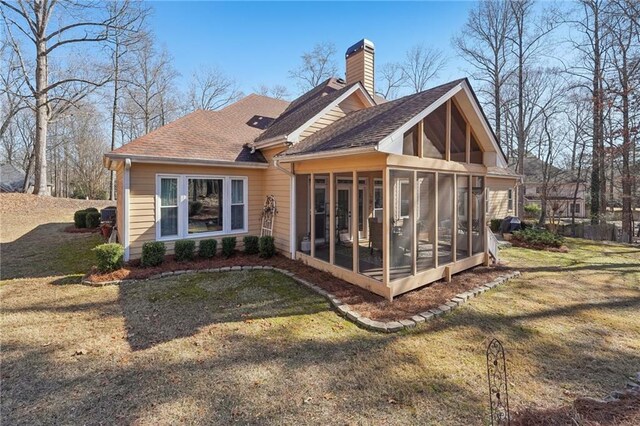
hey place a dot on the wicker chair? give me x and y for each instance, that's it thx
(375, 235)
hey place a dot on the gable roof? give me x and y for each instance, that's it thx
(12, 178)
(216, 135)
(369, 126)
(305, 107)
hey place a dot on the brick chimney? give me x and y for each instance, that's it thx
(360, 64)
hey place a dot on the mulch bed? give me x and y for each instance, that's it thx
(585, 411)
(518, 243)
(361, 300)
(73, 230)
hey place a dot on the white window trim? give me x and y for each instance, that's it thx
(183, 206)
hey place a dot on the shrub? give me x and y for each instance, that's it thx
(538, 237)
(92, 219)
(532, 211)
(267, 247)
(80, 218)
(251, 244)
(207, 248)
(110, 257)
(184, 250)
(495, 224)
(228, 246)
(91, 209)
(153, 253)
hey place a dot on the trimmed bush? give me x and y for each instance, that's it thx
(207, 248)
(267, 246)
(251, 244)
(110, 257)
(92, 219)
(80, 218)
(184, 250)
(91, 209)
(538, 237)
(532, 211)
(228, 246)
(495, 224)
(153, 253)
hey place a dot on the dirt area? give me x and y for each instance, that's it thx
(364, 302)
(253, 347)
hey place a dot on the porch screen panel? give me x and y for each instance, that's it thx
(445, 218)
(475, 155)
(345, 235)
(303, 213)
(462, 241)
(410, 142)
(435, 124)
(425, 226)
(321, 216)
(401, 246)
(168, 207)
(205, 205)
(370, 241)
(458, 135)
(477, 214)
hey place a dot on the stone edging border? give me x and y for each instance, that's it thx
(341, 308)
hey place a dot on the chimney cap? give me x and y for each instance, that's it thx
(362, 44)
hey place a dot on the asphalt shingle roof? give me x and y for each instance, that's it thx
(12, 178)
(369, 126)
(305, 107)
(211, 135)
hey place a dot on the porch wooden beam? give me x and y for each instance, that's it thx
(467, 149)
(355, 233)
(421, 138)
(470, 217)
(414, 224)
(434, 164)
(386, 221)
(447, 140)
(332, 218)
(312, 211)
(435, 217)
(454, 221)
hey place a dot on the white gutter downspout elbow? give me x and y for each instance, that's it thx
(125, 216)
(292, 206)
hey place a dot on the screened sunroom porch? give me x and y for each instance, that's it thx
(390, 230)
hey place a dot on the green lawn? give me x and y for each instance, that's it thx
(255, 347)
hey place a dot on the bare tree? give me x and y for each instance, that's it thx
(75, 23)
(277, 91)
(211, 89)
(317, 65)
(391, 79)
(421, 65)
(484, 44)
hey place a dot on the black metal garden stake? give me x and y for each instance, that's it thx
(498, 384)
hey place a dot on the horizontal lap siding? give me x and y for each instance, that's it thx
(499, 198)
(142, 199)
(278, 184)
(352, 103)
(120, 201)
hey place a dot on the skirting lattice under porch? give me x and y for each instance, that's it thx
(342, 308)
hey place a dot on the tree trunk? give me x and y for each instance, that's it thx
(114, 110)
(627, 214)
(520, 133)
(42, 119)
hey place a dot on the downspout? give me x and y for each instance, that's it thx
(292, 204)
(125, 216)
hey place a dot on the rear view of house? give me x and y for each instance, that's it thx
(387, 195)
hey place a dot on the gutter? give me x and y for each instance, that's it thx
(268, 143)
(328, 154)
(292, 206)
(185, 161)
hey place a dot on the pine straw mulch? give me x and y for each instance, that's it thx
(71, 229)
(361, 300)
(522, 244)
(587, 412)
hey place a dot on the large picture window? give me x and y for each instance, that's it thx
(196, 206)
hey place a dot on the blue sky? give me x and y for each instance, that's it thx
(259, 42)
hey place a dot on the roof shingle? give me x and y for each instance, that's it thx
(210, 135)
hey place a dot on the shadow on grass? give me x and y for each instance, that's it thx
(162, 310)
(47, 251)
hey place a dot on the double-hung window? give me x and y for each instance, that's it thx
(198, 206)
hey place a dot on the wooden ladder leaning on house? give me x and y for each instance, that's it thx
(268, 214)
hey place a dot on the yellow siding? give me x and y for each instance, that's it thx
(278, 183)
(120, 200)
(499, 198)
(360, 67)
(142, 199)
(352, 103)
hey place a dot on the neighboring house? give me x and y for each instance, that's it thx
(561, 187)
(12, 179)
(389, 196)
